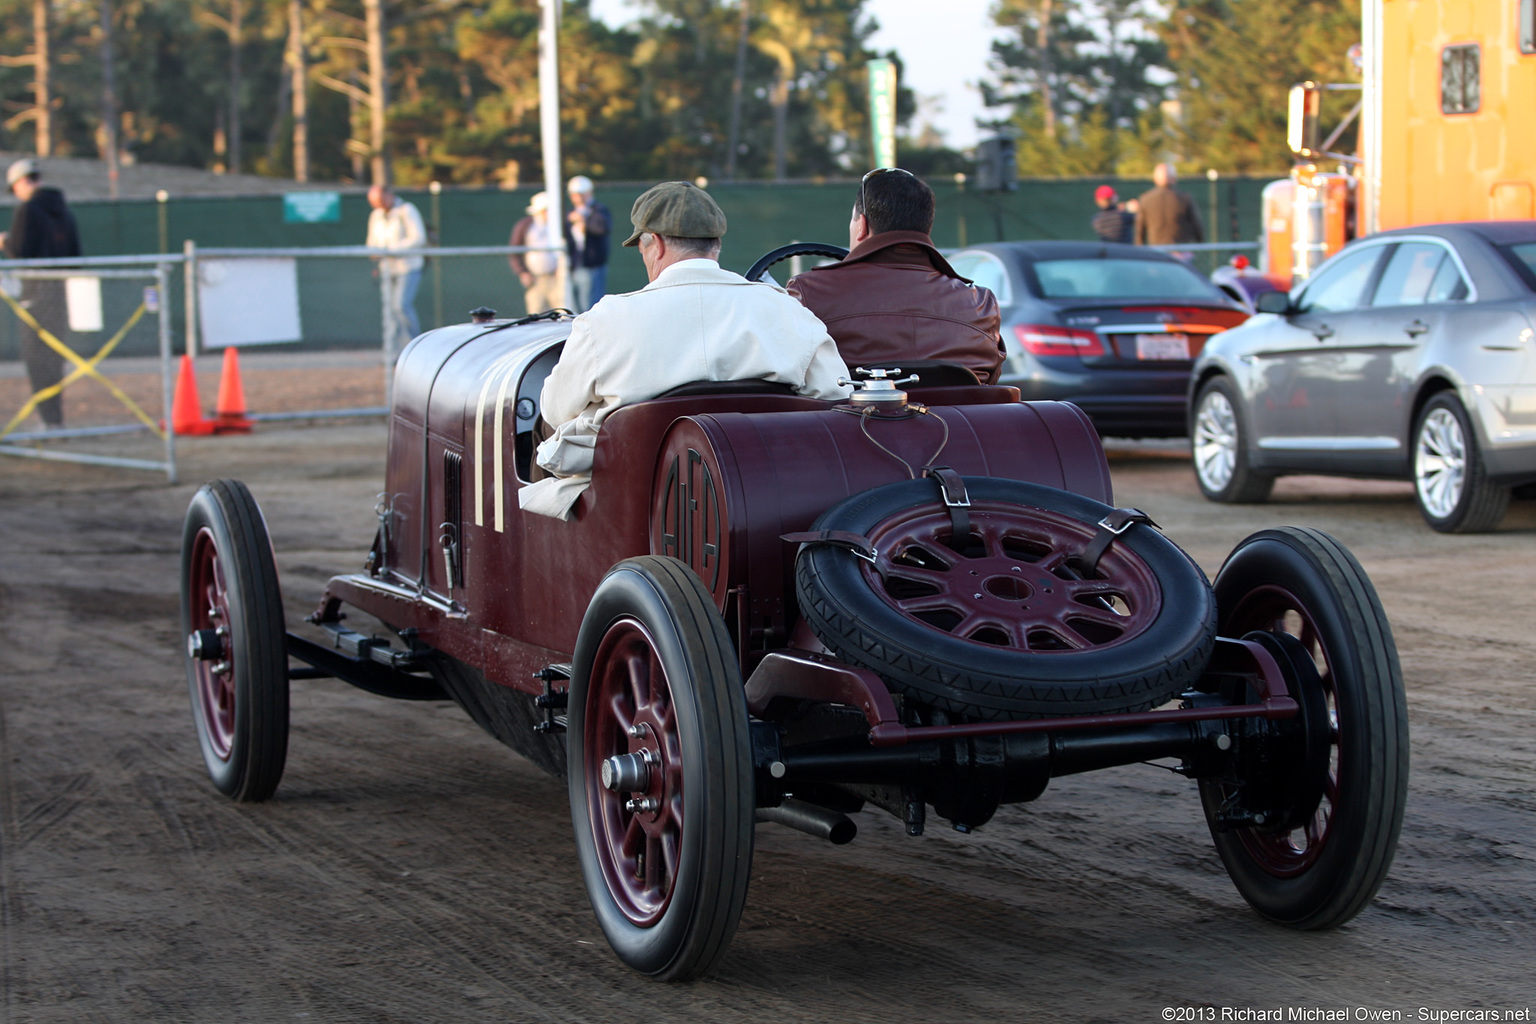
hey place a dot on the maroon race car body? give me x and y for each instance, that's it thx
(770, 608)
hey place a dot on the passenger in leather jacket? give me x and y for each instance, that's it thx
(894, 297)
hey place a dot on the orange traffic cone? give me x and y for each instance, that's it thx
(229, 417)
(186, 410)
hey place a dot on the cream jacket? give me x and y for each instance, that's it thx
(696, 321)
(398, 227)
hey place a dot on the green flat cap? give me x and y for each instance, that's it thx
(676, 209)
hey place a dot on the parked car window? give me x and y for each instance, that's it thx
(1413, 268)
(1341, 284)
(1448, 285)
(1523, 256)
(1103, 279)
(987, 271)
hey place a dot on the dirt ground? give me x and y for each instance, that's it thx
(411, 869)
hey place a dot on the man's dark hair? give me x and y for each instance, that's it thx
(895, 201)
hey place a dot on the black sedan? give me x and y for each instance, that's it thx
(1112, 328)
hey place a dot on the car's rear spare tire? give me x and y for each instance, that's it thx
(1012, 624)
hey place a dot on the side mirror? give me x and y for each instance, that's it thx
(1274, 302)
(1301, 127)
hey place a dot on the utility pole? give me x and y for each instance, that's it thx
(299, 77)
(378, 102)
(108, 99)
(41, 71)
(738, 83)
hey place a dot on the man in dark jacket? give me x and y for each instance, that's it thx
(893, 297)
(1167, 216)
(41, 228)
(586, 241)
(1114, 222)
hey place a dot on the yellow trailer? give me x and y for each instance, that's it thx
(1449, 111)
(1447, 131)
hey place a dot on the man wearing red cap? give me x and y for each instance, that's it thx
(1113, 222)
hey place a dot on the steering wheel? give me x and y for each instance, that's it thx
(784, 252)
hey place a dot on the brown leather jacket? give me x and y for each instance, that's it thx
(894, 297)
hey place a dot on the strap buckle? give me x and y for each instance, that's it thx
(859, 545)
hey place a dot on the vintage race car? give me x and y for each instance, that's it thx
(768, 608)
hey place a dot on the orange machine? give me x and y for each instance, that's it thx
(1448, 90)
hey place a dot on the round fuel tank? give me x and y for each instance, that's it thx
(729, 485)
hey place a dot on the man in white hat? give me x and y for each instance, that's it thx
(538, 271)
(586, 240)
(41, 228)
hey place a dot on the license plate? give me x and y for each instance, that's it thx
(1162, 346)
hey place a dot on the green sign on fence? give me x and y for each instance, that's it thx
(882, 111)
(311, 207)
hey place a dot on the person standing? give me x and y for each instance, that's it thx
(586, 240)
(396, 224)
(894, 297)
(1166, 215)
(539, 271)
(1113, 222)
(42, 227)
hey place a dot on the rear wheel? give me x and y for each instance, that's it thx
(236, 641)
(1012, 624)
(1317, 869)
(1219, 447)
(660, 771)
(1450, 480)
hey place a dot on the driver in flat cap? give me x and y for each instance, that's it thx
(695, 321)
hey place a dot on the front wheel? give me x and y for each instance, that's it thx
(236, 641)
(1318, 869)
(660, 769)
(1450, 480)
(1219, 448)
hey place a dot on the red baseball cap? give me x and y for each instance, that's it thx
(1104, 192)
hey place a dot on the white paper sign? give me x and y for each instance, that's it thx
(248, 301)
(83, 296)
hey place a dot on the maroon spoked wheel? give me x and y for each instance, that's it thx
(1009, 621)
(1302, 585)
(235, 641)
(659, 769)
(213, 683)
(1014, 584)
(638, 831)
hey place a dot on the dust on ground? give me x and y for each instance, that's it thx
(411, 869)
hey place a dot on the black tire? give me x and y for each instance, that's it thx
(668, 882)
(507, 714)
(1218, 445)
(1007, 629)
(236, 643)
(1304, 584)
(1450, 479)
(784, 252)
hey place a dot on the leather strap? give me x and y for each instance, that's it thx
(1110, 527)
(956, 500)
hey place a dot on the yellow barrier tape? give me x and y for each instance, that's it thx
(83, 368)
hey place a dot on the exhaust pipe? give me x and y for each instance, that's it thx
(812, 819)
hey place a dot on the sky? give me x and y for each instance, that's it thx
(944, 56)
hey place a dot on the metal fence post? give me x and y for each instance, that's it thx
(167, 377)
(387, 318)
(189, 300)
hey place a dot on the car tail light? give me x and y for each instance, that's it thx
(1040, 340)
